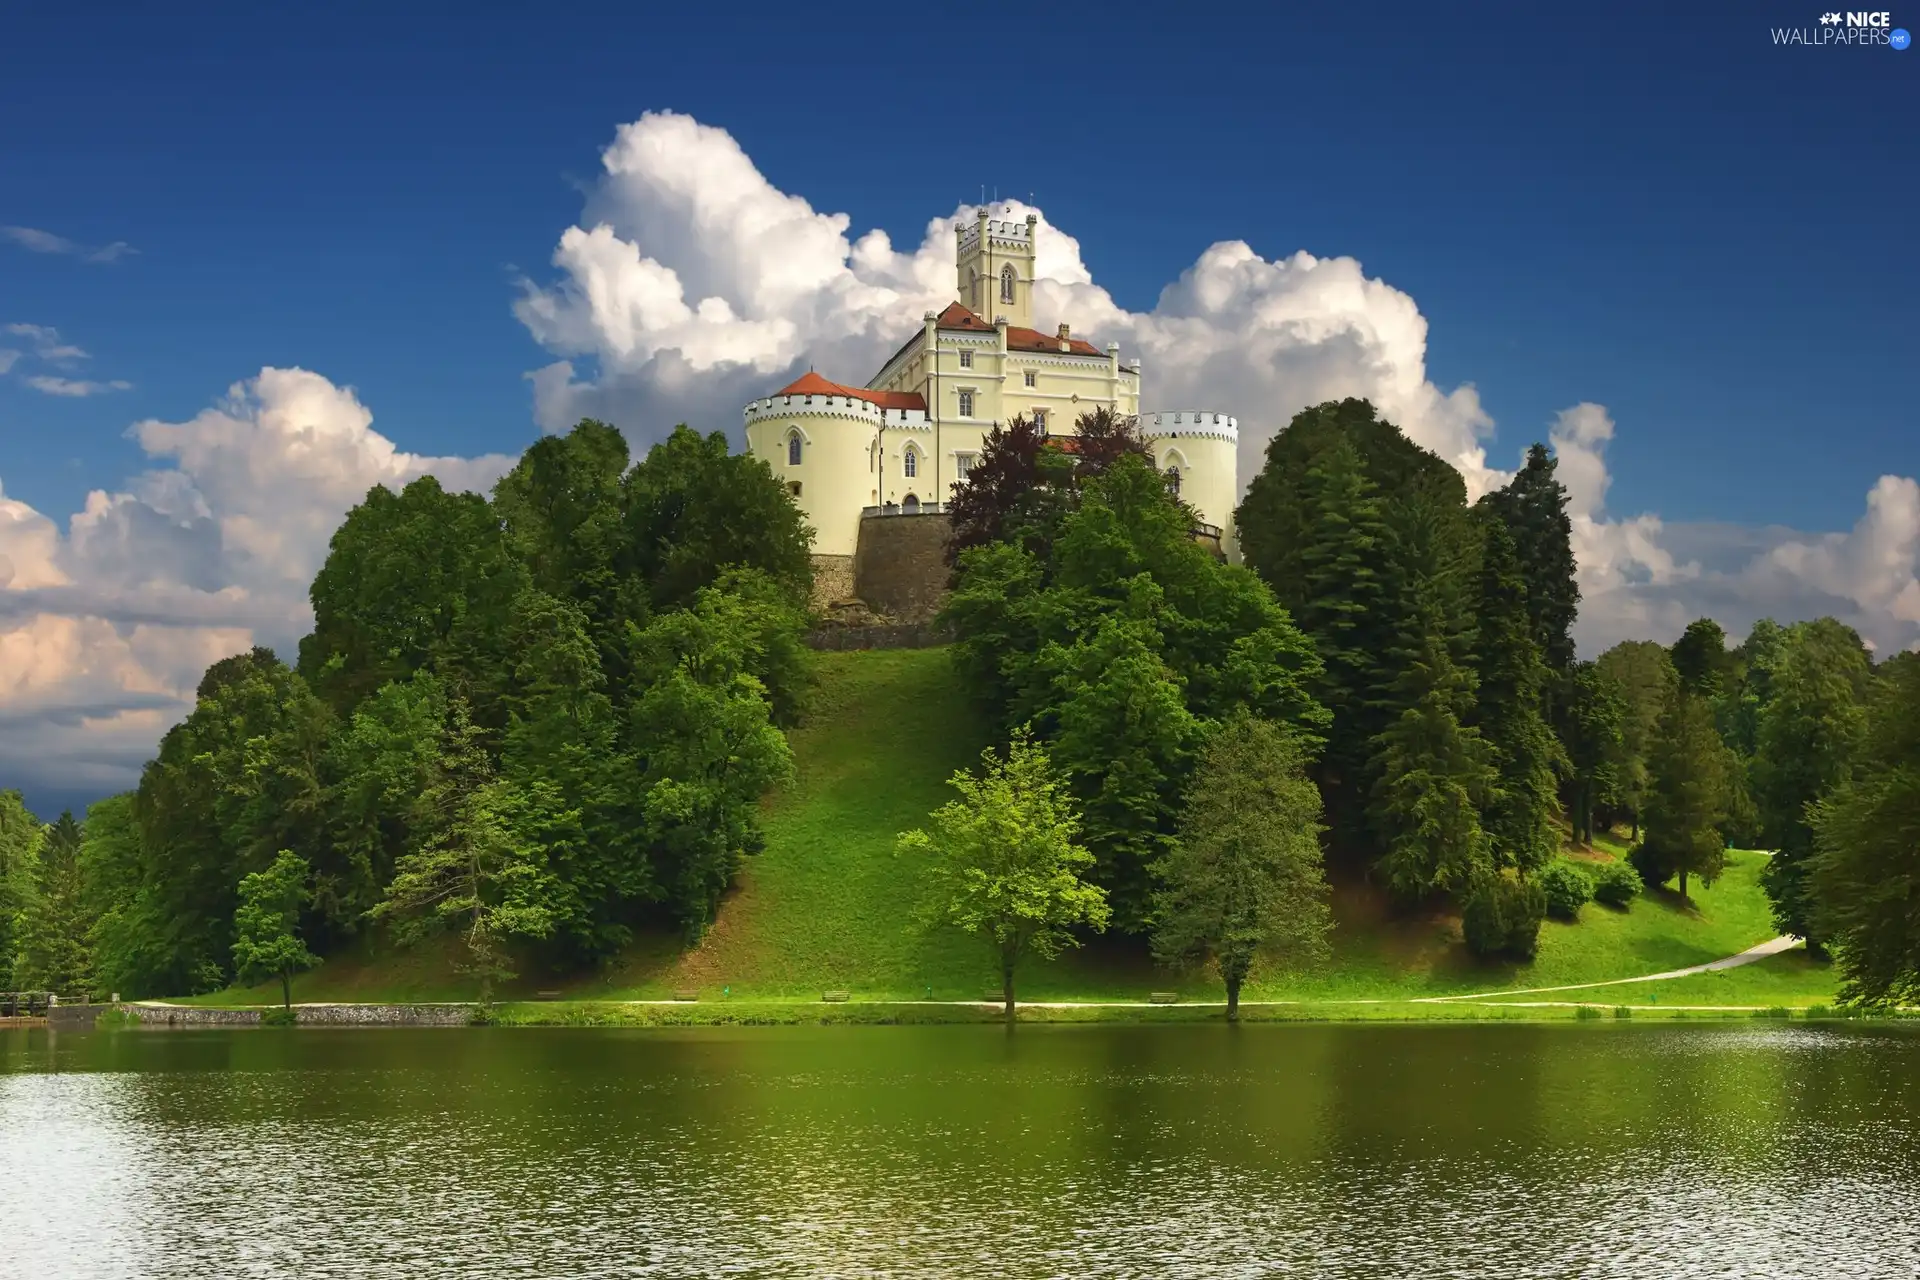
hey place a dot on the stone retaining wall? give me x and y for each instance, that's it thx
(308, 1015)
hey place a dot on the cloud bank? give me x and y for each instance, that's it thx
(107, 624)
(692, 285)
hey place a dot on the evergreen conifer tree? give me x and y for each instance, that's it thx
(1525, 754)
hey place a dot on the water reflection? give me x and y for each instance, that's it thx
(1524, 1151)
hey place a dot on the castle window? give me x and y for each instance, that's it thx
(973, 288)
(793, 487)
(1173, 481)
(966, 359)
(1033, 378)
(966, 404)
(793, 448)
(1006, 283)
(1040, 419)
(963, 463)
(910, 465)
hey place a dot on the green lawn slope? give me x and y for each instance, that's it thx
(829, 906)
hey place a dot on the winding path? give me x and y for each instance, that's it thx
(1771, 947)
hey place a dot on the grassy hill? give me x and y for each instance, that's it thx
(829, 905)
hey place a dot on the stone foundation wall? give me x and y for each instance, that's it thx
(308, 1015)
(900, 565)
(832, 581)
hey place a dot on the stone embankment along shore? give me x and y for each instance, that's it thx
(153, 1014)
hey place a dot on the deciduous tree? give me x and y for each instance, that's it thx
(266, 925)
(1004, 863)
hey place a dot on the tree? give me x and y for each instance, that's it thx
(694, 509)
(1533, 507)
(1433, 779)
(1596, 723)
(1810, 727)
(1645, 677)
(21, 835)
(418, 580)
(1512, 680)
(266, 937)
(1701, 659)
(1865, 872)
(1004, 863)
(1342, 568)
(1244, 875)
(703, 750)
(562, 507)
(475, 872)
(1004, 496)
(55, 951)
(1687, 797)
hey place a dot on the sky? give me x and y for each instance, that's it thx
(254, 260)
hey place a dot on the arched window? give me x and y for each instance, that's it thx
(793, 448)
(1006, 283)
(973, 288)
(1173, 481)
(910, 465)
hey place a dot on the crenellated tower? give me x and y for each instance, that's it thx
(994, 261)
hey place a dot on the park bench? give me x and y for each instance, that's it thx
(686, 995)
(546, 995)
(1163, 997)
(837, 997)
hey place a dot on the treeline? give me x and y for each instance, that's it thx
(1416, 649)
(1793, 741)
(540, 720)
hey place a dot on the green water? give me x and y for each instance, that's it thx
(1440, 1150)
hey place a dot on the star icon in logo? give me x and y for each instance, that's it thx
(1829, 19)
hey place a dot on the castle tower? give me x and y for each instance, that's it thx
(994, 258)
(1198, 451)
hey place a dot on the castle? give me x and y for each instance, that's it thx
(854, 455)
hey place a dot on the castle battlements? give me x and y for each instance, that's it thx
(903, 442)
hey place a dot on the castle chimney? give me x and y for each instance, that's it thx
(1066, 331)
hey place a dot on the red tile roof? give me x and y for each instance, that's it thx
(812, 384)
(1033, 340)
(1018, 339)
(958, 317)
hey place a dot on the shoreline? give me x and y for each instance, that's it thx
(161, 1015)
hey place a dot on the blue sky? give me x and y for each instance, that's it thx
(1654, 209)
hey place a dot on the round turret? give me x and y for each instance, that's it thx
(1200, 452)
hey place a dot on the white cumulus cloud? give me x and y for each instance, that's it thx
(107, 624)
(693, 284)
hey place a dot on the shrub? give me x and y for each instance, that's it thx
(1567, 889)
(1586, 1013)
(281, 1017)
(1622, 1011)
(1655, 868)
(1502, 917)
(1616, 885)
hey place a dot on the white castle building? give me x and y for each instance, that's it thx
(899, 444)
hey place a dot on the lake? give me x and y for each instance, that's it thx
(1427, 1150)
